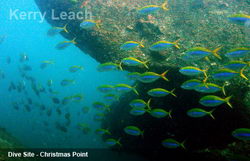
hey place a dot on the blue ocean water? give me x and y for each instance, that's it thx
(30, 37)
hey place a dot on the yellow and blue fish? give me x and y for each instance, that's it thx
(100, 106)
(130, 45)
(102, 131)
(236, 65)
(152, 9)
(112, 142)
(77, 97)
(111, 97)
(105, 88)
(138, 111)
(75, 68)
(160, 92)
(227, 74)
(163, 45)
(133, 75)
(46, 63)
(131, 61)
(56, 30)
(172, 144)
(242, 134)
(160, 113)
(198, 112)
(191, 84)
(213, 101)
(66, 100)
(125, 88)
(149, 77)
(238, 53)
(239, 18)
(139, 103)
(109, 66)
(209, 88)
(99, 117)
(64, 44)
(198, 53)
(90, 24)
(133, 130)
(192, 71)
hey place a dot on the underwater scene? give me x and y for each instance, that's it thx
(125, 80)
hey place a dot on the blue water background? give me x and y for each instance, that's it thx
(30, 37)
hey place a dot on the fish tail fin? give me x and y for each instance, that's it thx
(118, 142)
(98, 23)
(211, 114)
(170, 114)
(164, 6)
(163, 75)
(242, 74)
(248, 63)
(172, 93)
(215, 52)
(183, 144)
(134, 89)
(207, 59)
(136, 92)
(65, 28)
(205, 75)
(148, 104)
(108, 132)
(176, 44)
(120, 66)
(223, 89)
(141, 43)
(205, 81)
(74, 41)
(227, 101)
(145, 64)
(205, 72)
(148, 110)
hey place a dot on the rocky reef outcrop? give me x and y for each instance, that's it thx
(194, 23)
(9, 143)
